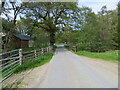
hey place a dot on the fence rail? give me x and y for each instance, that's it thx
(12, 59)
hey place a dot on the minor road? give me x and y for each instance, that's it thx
(67, 70)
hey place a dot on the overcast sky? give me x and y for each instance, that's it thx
(96, 5)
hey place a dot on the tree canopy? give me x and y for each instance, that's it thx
(51, 22)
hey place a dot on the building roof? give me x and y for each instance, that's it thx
(22, 37)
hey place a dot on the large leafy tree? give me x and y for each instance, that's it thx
(51, 16)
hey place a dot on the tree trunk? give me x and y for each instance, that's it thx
(52, 38)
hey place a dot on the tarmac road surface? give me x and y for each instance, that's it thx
(67, 70)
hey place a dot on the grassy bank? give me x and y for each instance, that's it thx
(60, 44)
(35, 63)
(109, 55)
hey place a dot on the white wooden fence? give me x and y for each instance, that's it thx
(12, 59)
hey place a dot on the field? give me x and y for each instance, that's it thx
(109, 55)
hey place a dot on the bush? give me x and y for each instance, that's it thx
(83, 47)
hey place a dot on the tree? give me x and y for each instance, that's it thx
(50, 15)
(107, 28)
(25, 26)
(15, 7)
(40, 36)
(8, 7)
(94, 32)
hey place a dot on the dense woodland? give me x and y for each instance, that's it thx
(57, 22)
(95, 32)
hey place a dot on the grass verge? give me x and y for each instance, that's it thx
(60, 44)
(35, 63)
(109, 55)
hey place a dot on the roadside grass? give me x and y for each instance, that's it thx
(60, 44)
(67, 47)
(35, 63)
(109, 55)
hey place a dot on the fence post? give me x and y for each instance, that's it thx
(42, 51)
(74, 48)
(20, 56)
(51, 49)
(35, 53)
(47, 49)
